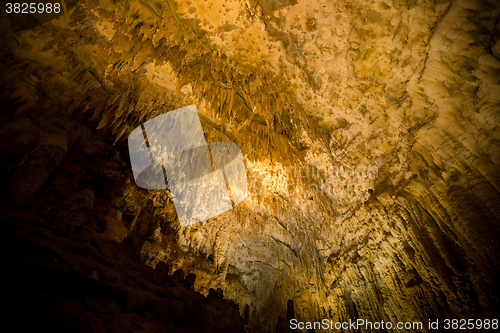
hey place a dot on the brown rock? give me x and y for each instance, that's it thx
(212, 293)
(189, 280)
(36, 168)
(246, 314)
(178, 276)
(114, 229)
(220, 293)
(161, 272)
(410, 88)
(73, 213)
(282, 326)
(30, 218)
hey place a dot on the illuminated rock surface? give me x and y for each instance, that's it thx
(398, 100)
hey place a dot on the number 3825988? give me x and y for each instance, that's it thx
(32, 8)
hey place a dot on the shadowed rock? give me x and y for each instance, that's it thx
(178, 276)
(161, 272)
(246, 314)
(142, 227)
(73, 213)
(35, 169)
(290, 313)
(220, 293)
(396, 106)
(212, 293)
(189, 280)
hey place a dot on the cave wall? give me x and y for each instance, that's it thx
(398, 99)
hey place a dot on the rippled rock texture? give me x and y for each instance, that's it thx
(369, 132)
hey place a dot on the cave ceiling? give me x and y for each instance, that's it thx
(369, 131)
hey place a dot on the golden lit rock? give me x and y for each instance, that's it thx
(369, 131)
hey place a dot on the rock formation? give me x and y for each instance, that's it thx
(369, 130)
(72, 215)
(143, 227)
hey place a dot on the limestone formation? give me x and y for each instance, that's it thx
(36, 168)
(369, 131)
